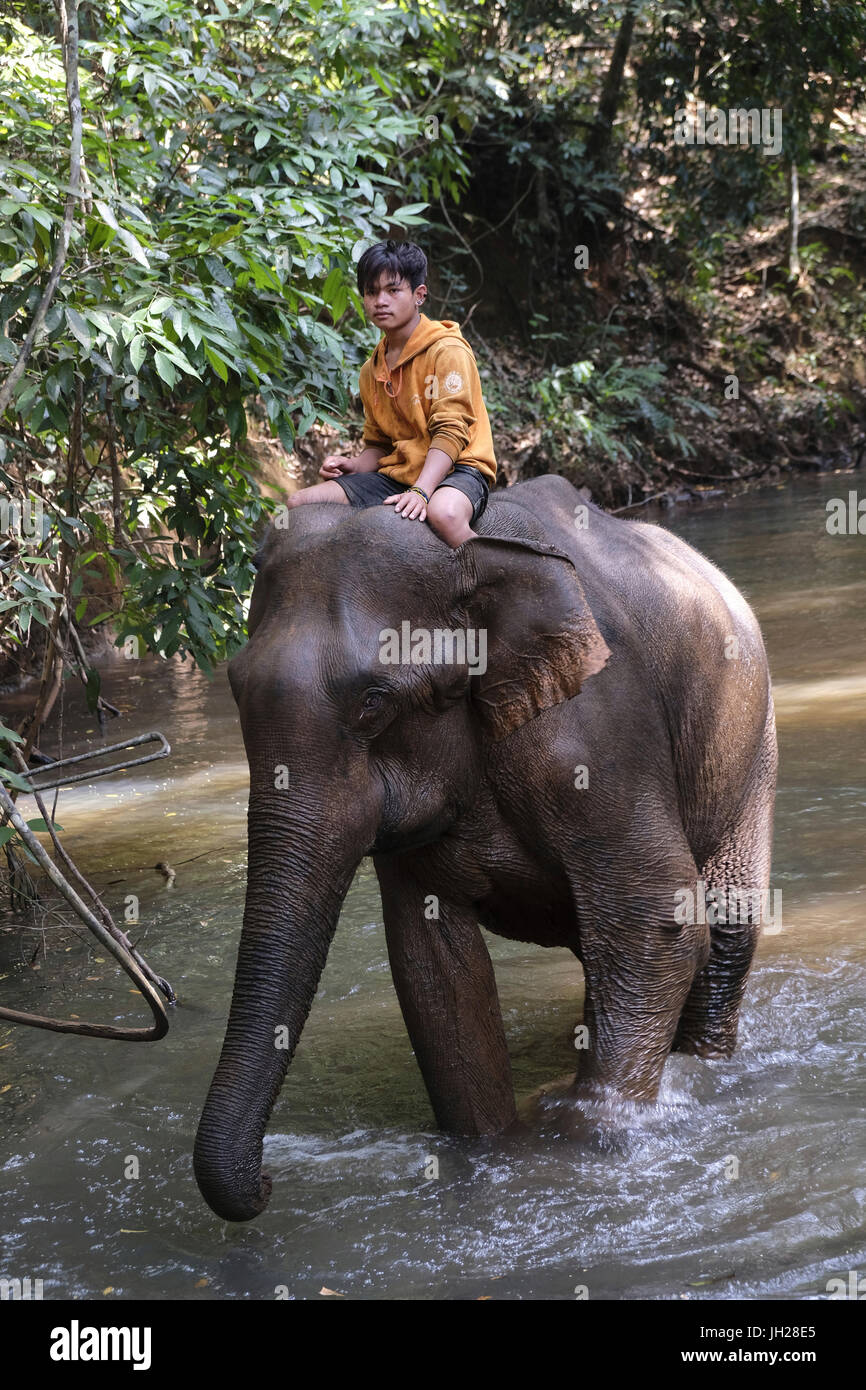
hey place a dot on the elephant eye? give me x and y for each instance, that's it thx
(375, 709)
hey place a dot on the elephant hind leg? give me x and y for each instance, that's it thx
(710, 1018)
(639, 960)
(637, 982)
(736, 880)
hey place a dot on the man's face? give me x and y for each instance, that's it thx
(392, 303)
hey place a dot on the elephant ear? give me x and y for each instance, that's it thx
(542, 640)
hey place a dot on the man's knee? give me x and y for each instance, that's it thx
(450, 520)
(449, 510)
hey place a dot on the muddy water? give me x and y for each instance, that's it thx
(747, 1180)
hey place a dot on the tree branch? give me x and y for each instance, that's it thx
(159, 1027)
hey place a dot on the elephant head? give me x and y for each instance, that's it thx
(360, 741)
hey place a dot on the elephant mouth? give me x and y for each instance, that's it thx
(394, 841)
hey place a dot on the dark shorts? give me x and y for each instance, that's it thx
(371, 489)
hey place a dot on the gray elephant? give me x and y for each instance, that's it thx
(562, 731)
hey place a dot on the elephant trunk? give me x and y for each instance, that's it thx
(297, 880)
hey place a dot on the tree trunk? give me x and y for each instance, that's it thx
(598, 144)
(793, 222)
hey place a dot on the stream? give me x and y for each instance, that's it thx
(746, 1181)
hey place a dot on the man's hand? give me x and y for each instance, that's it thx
(335, 465)
(410, 505)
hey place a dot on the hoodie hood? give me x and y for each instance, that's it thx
(428, 331)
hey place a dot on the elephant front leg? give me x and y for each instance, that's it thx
(447, 992)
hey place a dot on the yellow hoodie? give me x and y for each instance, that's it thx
(430, 398)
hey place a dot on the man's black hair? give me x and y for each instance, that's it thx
(403, 259)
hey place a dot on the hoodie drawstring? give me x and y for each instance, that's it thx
(390, 382)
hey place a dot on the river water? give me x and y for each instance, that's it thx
(747, 1180)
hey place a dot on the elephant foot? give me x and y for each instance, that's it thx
(600, 1121)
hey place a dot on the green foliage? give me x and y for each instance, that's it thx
(236, 163)
(612, 411)
(8, 833)
(237, 159)
(7, 773)
(801, 59)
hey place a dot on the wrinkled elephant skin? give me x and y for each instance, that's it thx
(601, 756)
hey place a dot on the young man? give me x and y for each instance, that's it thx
(428, 450)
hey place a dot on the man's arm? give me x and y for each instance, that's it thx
(376, 442)
(437, 465)
(335, 465)
(411, 504)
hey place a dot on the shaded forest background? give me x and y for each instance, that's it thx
(185, 191)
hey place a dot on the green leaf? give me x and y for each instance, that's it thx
(181, 360)
(286, 432)
(94, 682)
(134, 247)
(138, 352)
(78, 328)
(217, 363)
(218, 271)
(40, 216)
(227, 234)
(409, 213)
(107, 215)
(102, 322)
(14, 780)
(165, 367)
(262, 138)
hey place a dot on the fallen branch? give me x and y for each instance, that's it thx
(720, 477)
(76, 873)
(655, 497)
(106, 939)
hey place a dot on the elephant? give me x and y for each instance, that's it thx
(613, 752)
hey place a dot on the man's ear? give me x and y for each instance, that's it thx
(542, 640)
